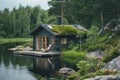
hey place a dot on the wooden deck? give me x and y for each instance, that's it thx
(37, 53)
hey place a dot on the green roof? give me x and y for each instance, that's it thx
(60, 29)
(64, 29)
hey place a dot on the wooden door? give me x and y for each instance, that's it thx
(42, 42)
(38, 43)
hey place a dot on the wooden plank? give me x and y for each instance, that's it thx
(37, 53)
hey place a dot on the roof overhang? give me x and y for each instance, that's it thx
(44, 26)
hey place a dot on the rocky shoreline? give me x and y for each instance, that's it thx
(112, 65)
(105, 77)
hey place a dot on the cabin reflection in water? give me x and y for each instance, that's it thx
(46, 66)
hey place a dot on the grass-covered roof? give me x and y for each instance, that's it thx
(61, 29)
(66, 29)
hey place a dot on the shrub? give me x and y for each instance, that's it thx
(98, 73)
(110, 53)
(87, 66)
(99, 46)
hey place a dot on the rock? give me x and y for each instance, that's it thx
(95, 54)
(113, 65)
(27, 48)
(12, 49)
(118, 51)
(21, 48)
(105, 77)
(65, 70)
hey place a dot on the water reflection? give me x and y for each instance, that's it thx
(46, 66)
(14, 67)
(7, 57)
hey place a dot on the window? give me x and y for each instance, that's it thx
(63, 41)
(41, 42)
(52, 40)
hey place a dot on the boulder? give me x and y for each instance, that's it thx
(27, 48)
(95, 54)
(105, 77)
(113, 65)
(65, 70)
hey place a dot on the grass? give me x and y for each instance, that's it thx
(73, 53)
(99, 73)
(72, 57)
(110, 46)
(10, 40)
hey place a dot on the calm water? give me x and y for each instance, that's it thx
(15, 67)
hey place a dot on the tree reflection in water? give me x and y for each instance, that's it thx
(46, 66)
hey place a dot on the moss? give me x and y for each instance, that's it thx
(64, 29)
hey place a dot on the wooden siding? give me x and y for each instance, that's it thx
(34, 47)
(50, 39)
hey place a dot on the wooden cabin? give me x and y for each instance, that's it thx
(44, 36)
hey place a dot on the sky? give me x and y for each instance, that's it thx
(15, 3)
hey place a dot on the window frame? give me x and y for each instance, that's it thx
(64, 41)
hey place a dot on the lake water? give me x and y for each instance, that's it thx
(15, 67)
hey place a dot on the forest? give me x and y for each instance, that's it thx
(88, 13)
(101, 18)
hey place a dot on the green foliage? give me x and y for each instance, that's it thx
(67, 55)
(81, 55)
(81, 34)
(39, 77)
(19, 22)
(87, 66)
(99, 46)
(106, 72)
(99, 73)
(69, 30)
(64, 29)
(10, 40)
(83, 66)
(85, 12)
(94, 29)
(74, 76)
(95, 42)
(110, 53)
(29, 43)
